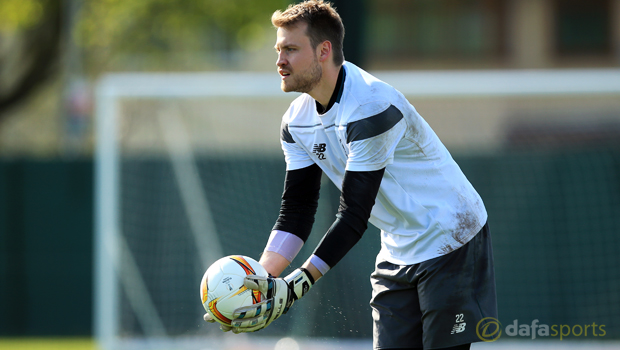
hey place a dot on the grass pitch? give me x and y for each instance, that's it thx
(47, 344)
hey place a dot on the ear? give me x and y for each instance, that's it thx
(324, 50)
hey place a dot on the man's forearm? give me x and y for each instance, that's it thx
(316, 274)
(273, 262)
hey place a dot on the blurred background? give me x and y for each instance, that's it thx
(546, 164)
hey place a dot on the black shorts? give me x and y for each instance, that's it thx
(437, 303)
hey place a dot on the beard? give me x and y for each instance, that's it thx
(304, 81)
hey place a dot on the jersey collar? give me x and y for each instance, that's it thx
(336, 95)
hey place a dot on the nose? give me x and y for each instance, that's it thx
(281, 61)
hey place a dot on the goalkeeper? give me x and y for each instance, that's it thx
(433, 280)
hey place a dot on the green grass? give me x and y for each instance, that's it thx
(47, 344)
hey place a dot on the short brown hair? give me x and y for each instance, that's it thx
(324, 23)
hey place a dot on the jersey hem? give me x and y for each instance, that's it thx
(298, 165)
(385, 255)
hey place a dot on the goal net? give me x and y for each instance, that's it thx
(189, 169)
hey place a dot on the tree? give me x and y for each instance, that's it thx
(30, 32)
(161, 34)
(120, 35)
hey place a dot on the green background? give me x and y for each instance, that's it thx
(554, 216)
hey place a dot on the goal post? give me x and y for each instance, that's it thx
(188, 168)
(149, 140)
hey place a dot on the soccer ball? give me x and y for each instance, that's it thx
(222, 290)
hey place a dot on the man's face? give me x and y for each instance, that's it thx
(297, 62)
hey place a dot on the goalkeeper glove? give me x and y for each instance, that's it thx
(280, 294)
(210, 319)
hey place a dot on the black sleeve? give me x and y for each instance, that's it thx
(359, 191)
(299, 201)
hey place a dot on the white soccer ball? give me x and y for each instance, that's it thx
(222, 290)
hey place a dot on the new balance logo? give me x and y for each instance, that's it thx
(319, 150)
(458, 328)
(460, 324)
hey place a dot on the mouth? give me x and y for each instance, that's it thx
(284, 74)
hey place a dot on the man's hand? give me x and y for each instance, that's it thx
(210, 319)
(280, 294)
